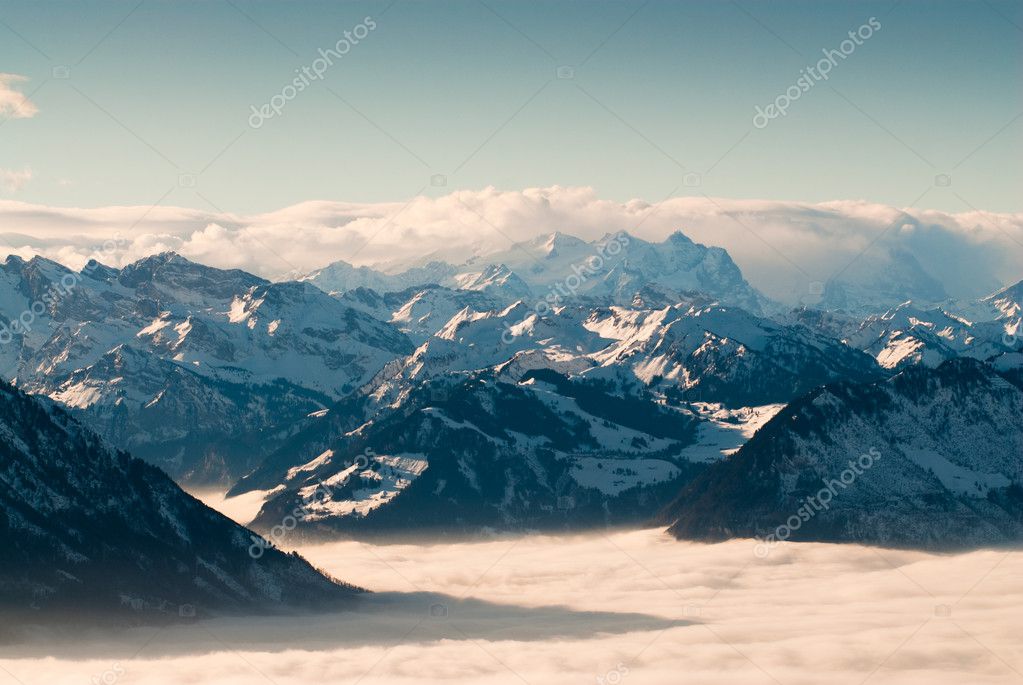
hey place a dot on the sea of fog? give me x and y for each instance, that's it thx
(627, 607)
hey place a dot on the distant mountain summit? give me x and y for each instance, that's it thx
(880, 280)
(559, 265)
(495, 279)
(85, 529)
(340, 276)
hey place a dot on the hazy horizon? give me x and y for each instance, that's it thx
(781, 247)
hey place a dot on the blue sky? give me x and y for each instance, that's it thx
(158, 95)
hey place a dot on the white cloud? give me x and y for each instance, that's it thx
(13, 103)
(779, 245)
(553, 610)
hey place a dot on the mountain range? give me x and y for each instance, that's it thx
(557, 384)
(189, 367)
(561, 266)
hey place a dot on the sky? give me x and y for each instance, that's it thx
(141, 103)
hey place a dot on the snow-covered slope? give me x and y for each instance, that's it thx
(468, 451)
(495, 279)
(1008, 308)
(515, 336)
(721, 354)
(176, 360)
(720, 369)
(87, 529)
(692, 351)
(422, 311)
(931, 457)
(907, 335)
(504, 364)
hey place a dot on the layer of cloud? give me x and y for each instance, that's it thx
(781, 246)
(630, 607)
(13, 103)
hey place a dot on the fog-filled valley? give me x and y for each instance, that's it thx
(635, 606)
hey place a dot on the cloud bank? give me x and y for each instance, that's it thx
(782, 247)
(543, 611)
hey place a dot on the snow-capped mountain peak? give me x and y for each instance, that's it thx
(1008, 301)
(495, 279)
(615, 266)
(166, 346)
